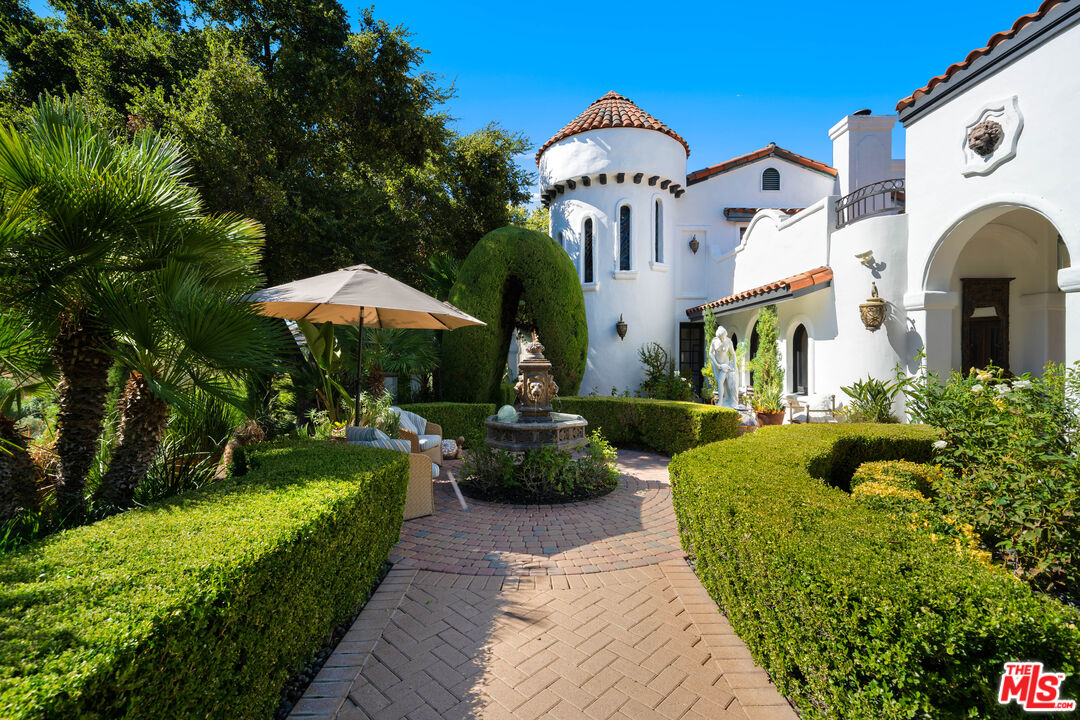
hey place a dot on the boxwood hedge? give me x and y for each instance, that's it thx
(509, 265)
(663, 426)
(854, 614)
(456, 419)
(198, 607)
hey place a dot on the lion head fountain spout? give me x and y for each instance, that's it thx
(535, 426)
(536, 386)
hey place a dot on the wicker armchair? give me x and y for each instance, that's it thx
(420, 494)
(428, 442)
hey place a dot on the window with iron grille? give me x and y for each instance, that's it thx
(587, 253)
(770, 179)
(624, 237)
(659, 232)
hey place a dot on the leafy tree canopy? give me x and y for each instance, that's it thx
(336, 140)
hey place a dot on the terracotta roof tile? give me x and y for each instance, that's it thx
(817, 276)
(770, 150)
(612, 110)
(974, 55)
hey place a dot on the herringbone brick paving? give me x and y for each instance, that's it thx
(638, 642)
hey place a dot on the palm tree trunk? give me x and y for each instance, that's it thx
(18, 478)
(80, 395)
(142, 423)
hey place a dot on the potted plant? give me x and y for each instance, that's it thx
(768, 372)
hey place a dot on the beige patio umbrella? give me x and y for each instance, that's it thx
(359, 295)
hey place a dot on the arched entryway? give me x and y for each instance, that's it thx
(996, 276)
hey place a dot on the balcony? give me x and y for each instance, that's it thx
(880, 198)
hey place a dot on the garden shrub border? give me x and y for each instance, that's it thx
(456, 419)
(663, 426)
(853, 614)
(203, 603)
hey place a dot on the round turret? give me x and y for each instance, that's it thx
(613, 141)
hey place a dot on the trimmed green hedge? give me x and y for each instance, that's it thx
(508, 265)
(199, 606)
(662, 426)
(456, 419)
(854, 614)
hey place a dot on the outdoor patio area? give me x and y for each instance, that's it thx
(582, 610)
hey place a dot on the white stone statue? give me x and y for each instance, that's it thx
(725, 368)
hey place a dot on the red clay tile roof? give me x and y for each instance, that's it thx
(806, 279)
(974, 55)
(728, 212)
(611, 111)
(770, 150)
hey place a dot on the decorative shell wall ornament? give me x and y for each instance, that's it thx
(874, 310)
(985, 137)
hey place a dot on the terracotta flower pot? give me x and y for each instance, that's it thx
(770, 418)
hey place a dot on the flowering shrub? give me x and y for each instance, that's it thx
(1010, 449)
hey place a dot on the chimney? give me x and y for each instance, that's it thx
(862, 149)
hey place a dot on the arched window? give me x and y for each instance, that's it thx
(658, 233)
(800, 351)
(770, 179)
(754, 340)
(561, 241)
(624, 237)
(587, 251)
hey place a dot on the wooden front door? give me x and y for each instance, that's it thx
(984, 331)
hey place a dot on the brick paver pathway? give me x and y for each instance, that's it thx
(606, 620)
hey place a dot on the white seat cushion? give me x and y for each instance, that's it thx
(429, 441)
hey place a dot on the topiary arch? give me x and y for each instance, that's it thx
(509, 265)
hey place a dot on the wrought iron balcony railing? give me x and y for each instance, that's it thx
(880, 198)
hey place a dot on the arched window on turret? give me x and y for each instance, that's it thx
(770, 179)
(624, 237)
(587, 251)
(561, 241)
(658, 233)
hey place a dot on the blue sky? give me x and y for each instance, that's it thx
(730, 77)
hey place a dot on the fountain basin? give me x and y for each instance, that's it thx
(558, 430)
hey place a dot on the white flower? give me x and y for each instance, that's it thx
(976, 388)
(940, 444)
(676, 373)
(1002, 389)
(1021, 385)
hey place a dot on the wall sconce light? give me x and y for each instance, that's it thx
(694, 244)
(620, 327)
(866, 258)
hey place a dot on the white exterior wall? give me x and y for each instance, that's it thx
(862, 150)
(613, 150)
(710, 274)
(946, 207)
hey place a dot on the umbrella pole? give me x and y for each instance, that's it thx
(359, 364)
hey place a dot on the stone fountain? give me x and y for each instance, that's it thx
(536, 426)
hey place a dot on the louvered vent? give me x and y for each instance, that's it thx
(770, 179)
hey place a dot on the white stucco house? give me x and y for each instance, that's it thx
(967, 240)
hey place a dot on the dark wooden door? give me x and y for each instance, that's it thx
(692, 353)
(984, 332)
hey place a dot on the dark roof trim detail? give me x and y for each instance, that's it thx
(1027, 32)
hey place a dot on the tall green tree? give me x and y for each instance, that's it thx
(335, 140)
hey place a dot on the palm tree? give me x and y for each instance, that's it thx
(24, 363)
(181, 333)
(97, 210)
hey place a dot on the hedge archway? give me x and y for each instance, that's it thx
(509, 265)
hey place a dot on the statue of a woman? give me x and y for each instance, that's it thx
(724, 367)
